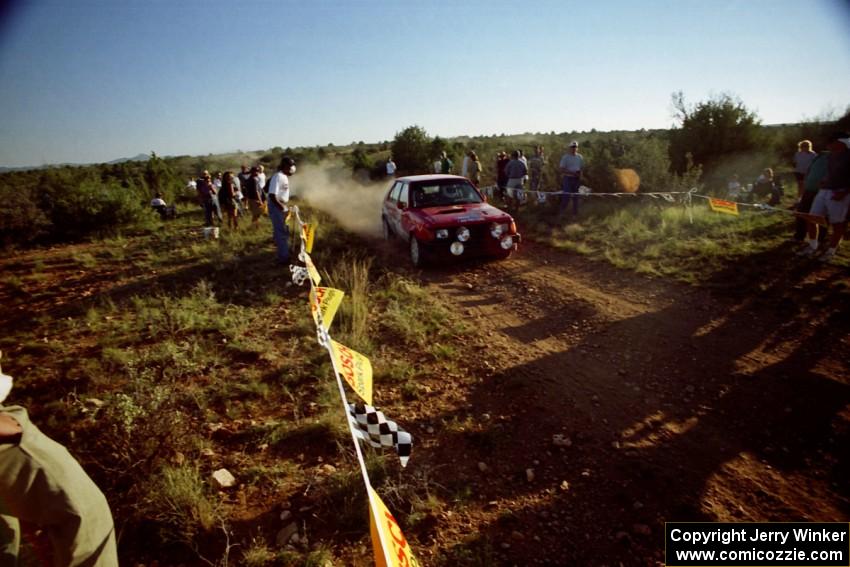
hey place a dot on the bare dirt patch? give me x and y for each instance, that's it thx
(672, 402)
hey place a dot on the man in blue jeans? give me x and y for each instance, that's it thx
(570, 167)
(278, 199)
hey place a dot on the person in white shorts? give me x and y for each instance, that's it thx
(833, 199)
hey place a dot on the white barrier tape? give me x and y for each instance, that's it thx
(491, 189)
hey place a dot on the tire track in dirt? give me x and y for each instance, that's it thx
(678, 405)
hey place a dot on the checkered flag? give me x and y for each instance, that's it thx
(372, 427)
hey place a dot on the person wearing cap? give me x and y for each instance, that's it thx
(833, 198)
(570, 167)
(278, 207)
(43, 485)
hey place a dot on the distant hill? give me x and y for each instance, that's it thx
(139, 157)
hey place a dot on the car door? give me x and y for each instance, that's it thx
(391, 210)
(403, 208)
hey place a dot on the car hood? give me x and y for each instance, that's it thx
(473, 213)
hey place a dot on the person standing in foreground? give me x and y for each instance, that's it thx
(570, 167)
(278, 199)
(805, 231)
(833, 198)
(391, 168)
(42, 484)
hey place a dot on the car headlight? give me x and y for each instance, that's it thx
(496, 230)
(463, 234)
(442, 233)
(456, 248)
(507, 243)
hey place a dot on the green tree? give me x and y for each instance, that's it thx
(159, 178)
(411, 150)
(712, 131)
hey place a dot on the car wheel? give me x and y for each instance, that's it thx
(388, 235)
(417, 255)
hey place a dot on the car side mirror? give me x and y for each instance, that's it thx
(484, 197)
(402, 205)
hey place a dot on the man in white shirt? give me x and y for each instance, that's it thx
(278, 199)
(390, 167)
(570, 167)
(464, 168)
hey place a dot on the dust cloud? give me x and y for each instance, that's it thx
(330, 188)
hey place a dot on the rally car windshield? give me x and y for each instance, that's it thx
(440, 195)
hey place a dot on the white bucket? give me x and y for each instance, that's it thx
(211, 232)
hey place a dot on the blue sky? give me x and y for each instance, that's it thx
(90, 81)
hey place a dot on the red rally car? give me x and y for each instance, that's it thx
(445, 216)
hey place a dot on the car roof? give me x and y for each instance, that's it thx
(431, 177)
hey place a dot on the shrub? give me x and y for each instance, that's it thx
(411, 150)
(21, 221)
(91, 208)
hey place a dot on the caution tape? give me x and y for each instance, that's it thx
(683, 197)
(365, 423)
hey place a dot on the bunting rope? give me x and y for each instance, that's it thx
(683, 197)
(365, 423)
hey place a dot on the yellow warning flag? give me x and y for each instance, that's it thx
(355, 369)
(397, 549)
(721, 206)
(325, 300)
(308, 233)
(311, 269)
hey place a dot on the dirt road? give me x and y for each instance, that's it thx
(671, 402)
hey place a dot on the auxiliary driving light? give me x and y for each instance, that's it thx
(463, 234)
(456, 248)
(507, 243)
(496, 230)
(442, 233)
